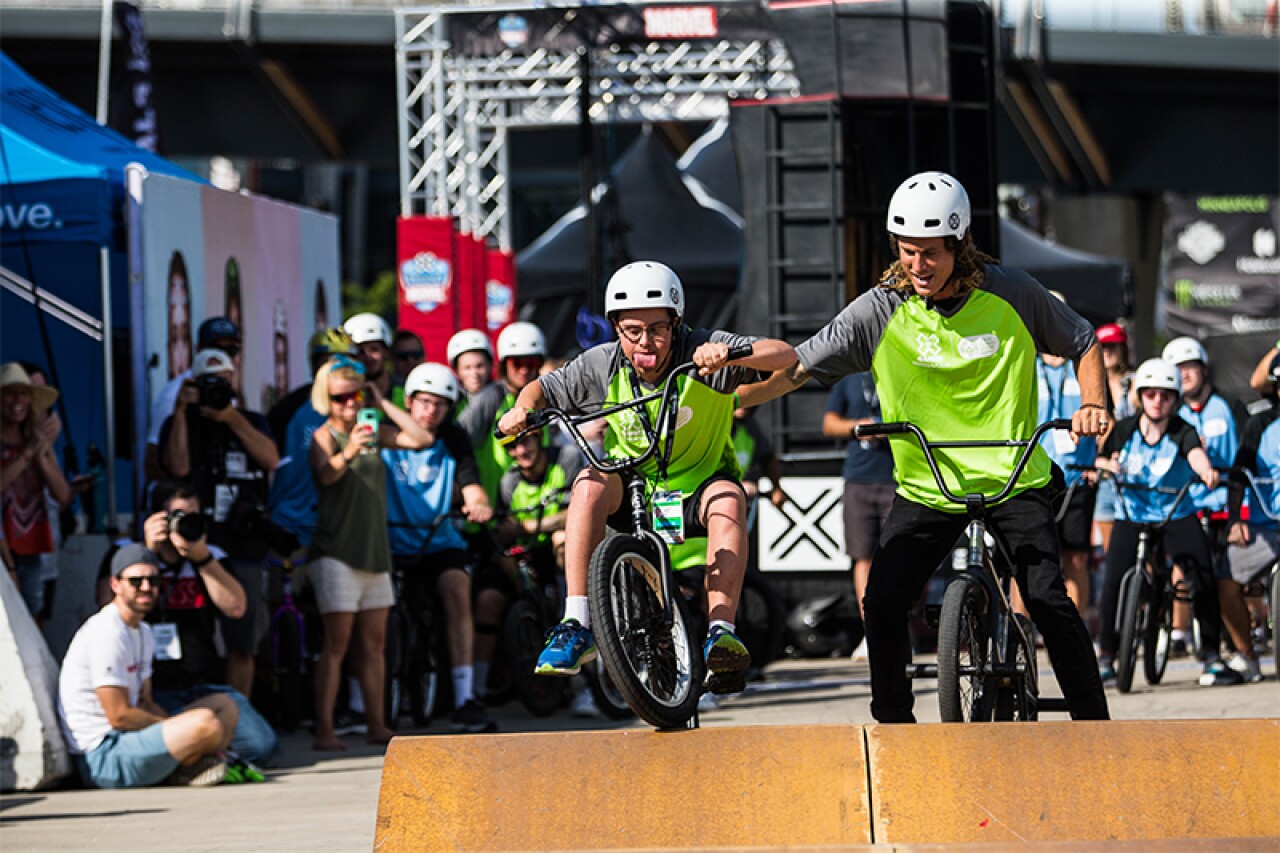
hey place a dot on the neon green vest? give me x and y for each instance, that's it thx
(967, 377)
(492, 458)
(744, 447)
(527, 497)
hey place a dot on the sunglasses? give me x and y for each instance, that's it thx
(348, 397)
(525, 362)
(138, 581)
(338, 362)
(405, 355)
(635, 333)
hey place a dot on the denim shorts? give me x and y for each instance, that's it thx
(1106, 507)
(128, 760)
(253, 739)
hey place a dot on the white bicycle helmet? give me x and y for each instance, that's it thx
(1158, 373)
(644, 284)
(468, 340)
(930, 204)
(434, 379)
(367, 327)
(521, 339)
(1181, 350)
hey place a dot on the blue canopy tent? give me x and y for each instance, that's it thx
(63, 250)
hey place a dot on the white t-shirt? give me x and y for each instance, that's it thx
(105, 652)
(162, 408)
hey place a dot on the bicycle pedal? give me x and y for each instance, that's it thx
(721, 683)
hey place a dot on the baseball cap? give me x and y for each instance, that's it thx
(1112, 333)
(216, 329)
(131, 555)
(210, 361)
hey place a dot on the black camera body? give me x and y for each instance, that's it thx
(215, 391)
(191, 526)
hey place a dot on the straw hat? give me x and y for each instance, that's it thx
(42, 396)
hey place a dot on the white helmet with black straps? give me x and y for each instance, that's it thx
(644, 284)
(1157, 373)
(367, 327)
(930, 204)
(1184, 349)
(434, 379)
(468, 340)
(521, 339)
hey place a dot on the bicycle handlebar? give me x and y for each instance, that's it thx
(1028, 445)
(539, 418)
(1251, 482)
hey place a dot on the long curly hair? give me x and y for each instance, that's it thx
(968, 275)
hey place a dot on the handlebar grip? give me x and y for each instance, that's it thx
(536, 419)
(1060, 423)
(740, 351)
(874, 430)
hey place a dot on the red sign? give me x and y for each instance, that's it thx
(499, 292)
(426, 274)
(681, 22)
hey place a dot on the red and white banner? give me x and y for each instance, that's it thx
(427, 275)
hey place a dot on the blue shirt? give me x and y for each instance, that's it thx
(1220, 436)
(867, 461)
(292, 498)
(420, 491)
(1260, 453)
(1161, 465)
(1060, 398)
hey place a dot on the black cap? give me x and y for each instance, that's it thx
(216, 329)
(131, 555)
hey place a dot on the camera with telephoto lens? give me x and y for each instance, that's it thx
(191, 526)
(215, 391)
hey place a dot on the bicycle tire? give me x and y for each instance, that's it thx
(1130, 615)
(1157, 636)
(760, 619)
(1019, 701)
(656, 667)
(963, 652)
(522, 633)
(609, 700)
(395, 657)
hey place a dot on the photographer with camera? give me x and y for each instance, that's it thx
(195, 589)
(226, 453)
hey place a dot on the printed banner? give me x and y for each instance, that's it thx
(1222, 267)
(499, 292)
(133, 111)
(807, 533)
(427, 274)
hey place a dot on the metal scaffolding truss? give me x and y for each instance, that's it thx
(456, 109)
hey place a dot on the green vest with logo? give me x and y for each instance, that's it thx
(528, 497)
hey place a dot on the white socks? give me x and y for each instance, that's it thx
(575, 607)
(462, 681)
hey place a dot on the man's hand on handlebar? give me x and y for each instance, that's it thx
(514, 421)
(711, 357)
(1090, 421)
(1238, 535)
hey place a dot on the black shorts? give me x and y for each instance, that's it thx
(1075, 528)
(620, 520)
(433, 565)
(244, 634)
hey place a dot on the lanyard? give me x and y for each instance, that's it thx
(642, 411)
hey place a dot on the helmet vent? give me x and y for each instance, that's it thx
(899, 220)
(932, 223)
(653, 294)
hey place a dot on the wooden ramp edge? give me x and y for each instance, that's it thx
(753, 786)
(1059, 781)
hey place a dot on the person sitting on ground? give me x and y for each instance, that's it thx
(196, 588)
(645, 303)
(28, 466)
(1254, 542)
(421, 490)
(350, 553)
(1158, 449)
(117, 734)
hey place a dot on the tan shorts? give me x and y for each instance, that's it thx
(342, 589)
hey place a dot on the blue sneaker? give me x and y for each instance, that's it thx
(727, 662)
(569, 646)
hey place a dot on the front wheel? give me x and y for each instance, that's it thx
(653, 662)
(1132, 587)
(963, 653)
(1157, 636)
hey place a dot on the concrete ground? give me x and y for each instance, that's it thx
(327, 802)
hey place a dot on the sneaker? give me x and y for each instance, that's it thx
(1218, 674)
(727, 661)
(1179, 644)
(584, 706)
(1247, 667)
(569, 646)
(208, 771)
(1106, 667)
(349, 723)
(241, 772)
(860, 653)
(708, 702)
(470, 718)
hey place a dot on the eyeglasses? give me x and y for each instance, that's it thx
(635, 332)
(137, 581)
(348, 397)
(525, 362)
(406, 355)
